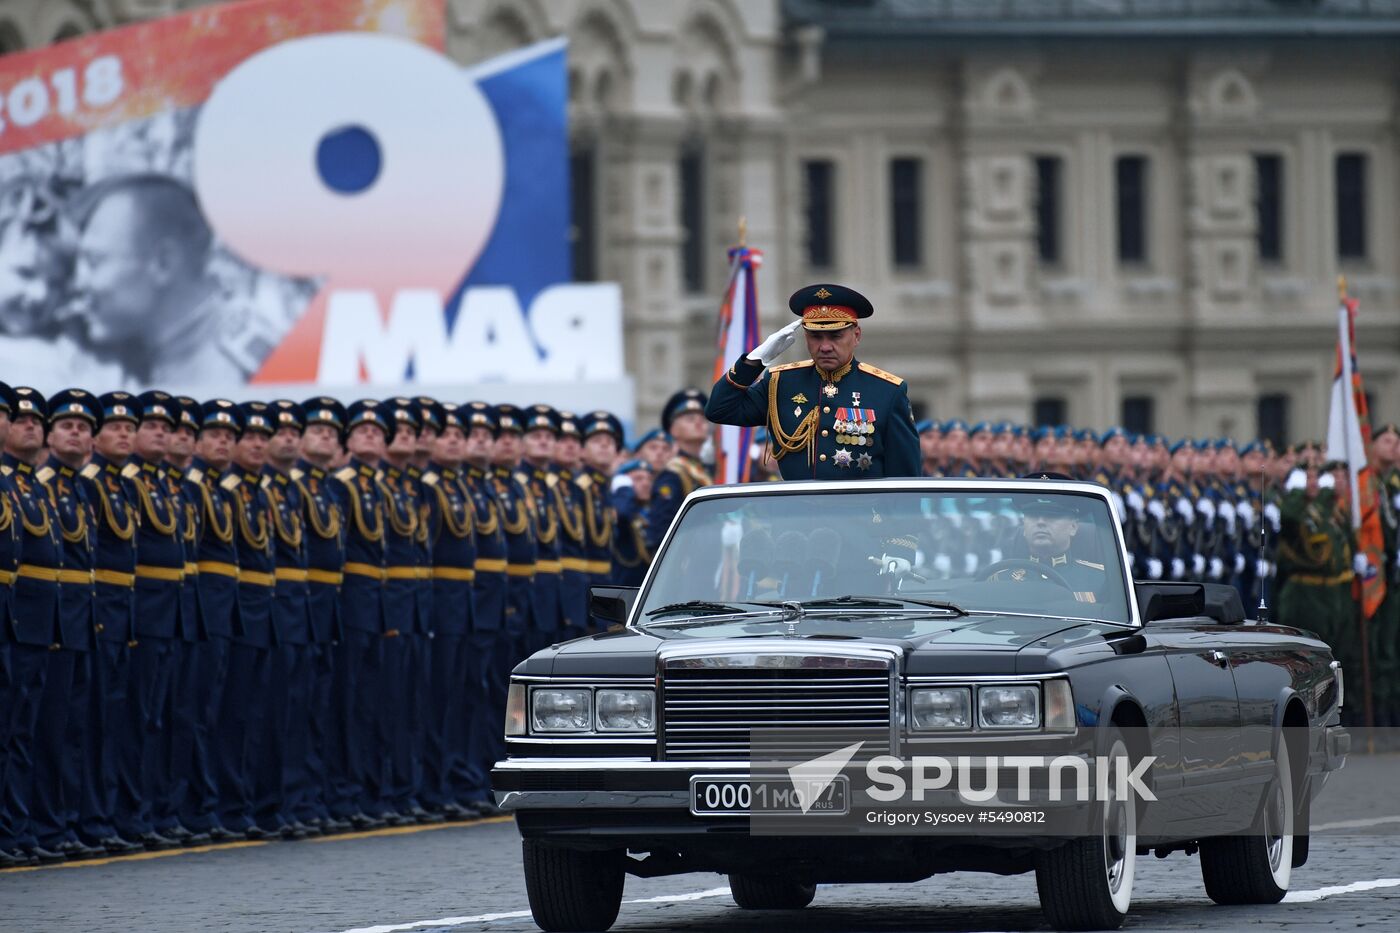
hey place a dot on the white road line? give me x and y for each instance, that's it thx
(521, 914)
(1307, 897)
(1354, 824)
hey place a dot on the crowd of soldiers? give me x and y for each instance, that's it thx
(1275, 524)
(226, 621)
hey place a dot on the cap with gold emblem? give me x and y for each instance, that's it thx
(479, 415)
(324, 410)
(75, 403)
(257, 416)
(367, 411)
(29, 401)
(829, 307)
(155, 405)
(189, 412)
(288, 414)
(118, 406)
(221, 413)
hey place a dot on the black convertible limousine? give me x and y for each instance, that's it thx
(767, 703)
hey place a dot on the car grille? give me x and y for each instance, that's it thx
(708, 714)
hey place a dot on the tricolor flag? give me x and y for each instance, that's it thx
(738, 334)
(1349, 440)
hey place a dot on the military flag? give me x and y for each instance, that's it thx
(1349, 440)
(738, 334)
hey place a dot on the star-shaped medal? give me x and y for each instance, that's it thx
(842, 458)
(829, 390)
(864, 461)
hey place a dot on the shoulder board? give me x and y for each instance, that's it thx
(880, 373)
(1090, 564)
(786, 366)
(44, 474)
(6, 470)
(265, 482)
(431, 479)
(551, 480)
(346, 474)
(230, 482)
(131, 471)
(195, 475)
(584, 481)
(91, 471)
(297, 474)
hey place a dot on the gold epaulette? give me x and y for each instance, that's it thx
(91, 471)
(297, 474)
(1090, 564)
(432, 479)
(880, 373)
(195, 475)
(230, 482)
(131, 471)
(786, 366)
(5, 470)
(551, 480)
(44, 474)
(345, 474)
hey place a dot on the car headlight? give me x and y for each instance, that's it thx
(553, 709)
(626, 710)
(940, 708)
(515, 710)
(1009, 707)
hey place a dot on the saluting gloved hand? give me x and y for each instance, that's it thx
(1246, 513)
(1217, 568)
(1154, 568)
(775, 345)
(1239, 563)
(1198, 565)
(1227, 512)
(1272, 513)
(1206, 508)
(1360, 565)
(1135, 502)
(1157, 510)
(1185, 509)
(1297, 479)
(1326, 481)
(1178, 568)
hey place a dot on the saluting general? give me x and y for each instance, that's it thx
(828, 417)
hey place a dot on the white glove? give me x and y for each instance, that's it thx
(984, 519)
(1298, 479)
(1274, 516)
(707, 451)
(1135, 502)
(896, 566)
(731, 533)
(1246, 513)
(1206, 508)
(1178, 568)
(994, 555)
(1239, 563)
(775, 345)
(1360, 565)
(1198, 565)
(1157, 510)
(956, 519)
(1217, 568)
(969, 564)
(621, 481)
(1132, 562)
(1154, 568)
(1118, 510)
(1261, 569)
(1227, 512)
(1327, 481)
(943, 564)
(1185, 509)
(1396, 502)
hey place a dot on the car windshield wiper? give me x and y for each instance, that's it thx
(881, 602)
(704, 607)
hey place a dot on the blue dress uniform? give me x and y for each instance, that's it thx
(539, 480)
(10, 855)
(203, 673)
(452, 538)
(513, 504)
(630, 553)
(851, 423)
(325, 559)
(360, 770)
(683, 474)
(249, 787)
(491, 644)
(599, 517)
(568, 504)
(116, 518)
(160, 575)
(65, 773)
(406, 595)
(33, 632)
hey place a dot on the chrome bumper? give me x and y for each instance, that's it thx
(601, 783)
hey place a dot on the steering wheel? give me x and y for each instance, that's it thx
(1044, 570)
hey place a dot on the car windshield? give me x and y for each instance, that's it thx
(885, 562)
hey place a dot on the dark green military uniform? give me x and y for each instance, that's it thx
(1384, 631)
(1315, 561)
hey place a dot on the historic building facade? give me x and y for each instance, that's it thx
(1096, 213)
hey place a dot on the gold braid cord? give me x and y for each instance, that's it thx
(191, 522)
(570, 516)
(122, 533)
(79, 530)
(546, 524)
(598, 536)
(803, 437)
(149, 505)
(289, 533)
(635, 526)
(330, 527)
(491, 523)
(457, 528)
(223, 509)
(357, 512)
(521, 520)
(405, 525)
(259, 539)
(7, 511)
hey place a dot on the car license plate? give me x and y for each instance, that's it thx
(740, 795)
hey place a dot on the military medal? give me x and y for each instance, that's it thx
(797, 411)
(829, 390)
(855, 398)
(863, 461)
(843, 458)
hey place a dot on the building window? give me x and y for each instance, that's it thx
(1351, 206)
(1131, 174)
(1138, 414)
(1051, 411)
(1047, 208)
(1268, 207)
(692, 211)
(1273, 419)
(820, 177)
(906, 206)
(583, 215)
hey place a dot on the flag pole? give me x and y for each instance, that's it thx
(1368, 708)
(743, 230)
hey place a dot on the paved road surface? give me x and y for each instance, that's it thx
(467, 877)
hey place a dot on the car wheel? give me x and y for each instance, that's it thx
(753, 892)
(572, 891)
(1087, 884)
(1256, 869)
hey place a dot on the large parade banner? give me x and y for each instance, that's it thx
(274, 195)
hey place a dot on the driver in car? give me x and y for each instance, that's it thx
(1049, 526)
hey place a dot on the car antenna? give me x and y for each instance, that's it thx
(1261, 613)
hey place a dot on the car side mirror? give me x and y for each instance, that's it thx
(611, 603)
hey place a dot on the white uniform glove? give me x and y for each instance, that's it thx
(1272, 513)
(1135, 502)
(1154, 568)
(969, 564)
(1239, 563)
(984, 519)
(1206, 508)
(1178, 568)
(1186, 510)
(775, 345)
(895, 566)
(1327, 481)
(621, 481)
(1246, 514)
(1198, 565)
(1360, 565)
(731, 533)
(1157, 510)
(707, 451)
(955, 519)
(1118, 510)
(1261, 568)
(994, 555)
(1396, 502)
(1132, 562)
(1227, 512)
(1297, 479)
(1217, 568)
(942, 564)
